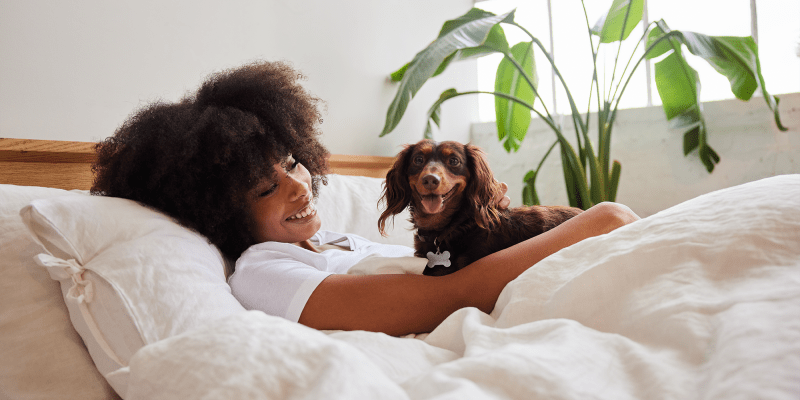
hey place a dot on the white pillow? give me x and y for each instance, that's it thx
(130, 275)
(41, 355)
(349, 204)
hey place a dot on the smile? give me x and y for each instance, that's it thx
(442, 197)
(434, 203)
(308, 211)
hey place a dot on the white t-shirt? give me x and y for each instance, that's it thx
(278, 278)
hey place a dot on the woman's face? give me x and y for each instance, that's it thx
(282, 208)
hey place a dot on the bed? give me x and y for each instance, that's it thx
(103, 298)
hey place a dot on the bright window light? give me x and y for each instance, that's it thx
(778, 38)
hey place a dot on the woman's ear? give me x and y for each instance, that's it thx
(483, 192)
(396, 194)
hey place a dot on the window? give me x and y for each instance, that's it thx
(777, 31)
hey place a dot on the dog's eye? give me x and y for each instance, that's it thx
(454, 161)
(418, 160)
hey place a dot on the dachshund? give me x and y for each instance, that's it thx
(453, 198)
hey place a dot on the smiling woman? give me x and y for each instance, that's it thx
(198, 159)
(282, 209)
(240, 162)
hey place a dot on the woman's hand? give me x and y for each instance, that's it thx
(504, 201)
(403, 304)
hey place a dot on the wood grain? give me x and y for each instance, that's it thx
(68, 165)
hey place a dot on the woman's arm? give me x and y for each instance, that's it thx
(402, 304)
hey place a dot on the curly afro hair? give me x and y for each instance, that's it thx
(197, 159)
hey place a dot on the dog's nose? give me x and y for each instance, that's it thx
(430, 182)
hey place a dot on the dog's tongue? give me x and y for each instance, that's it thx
(432, 203)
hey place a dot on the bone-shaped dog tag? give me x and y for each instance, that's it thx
(438, 259)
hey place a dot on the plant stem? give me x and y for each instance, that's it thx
(528, 79)
(667, 35)
(566, 149)
(594, 65)
(640, 41)
(619, 50)
(561, 78)
(547, 154)
(547, 119)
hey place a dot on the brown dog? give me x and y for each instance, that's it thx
(452, 197)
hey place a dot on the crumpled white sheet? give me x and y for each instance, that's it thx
(699, 301)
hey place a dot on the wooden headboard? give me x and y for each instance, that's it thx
(68, 165)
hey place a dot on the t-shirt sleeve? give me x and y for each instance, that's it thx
(277, 286)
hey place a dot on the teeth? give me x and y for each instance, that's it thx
(308, 210)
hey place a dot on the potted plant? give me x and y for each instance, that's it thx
(590, 174)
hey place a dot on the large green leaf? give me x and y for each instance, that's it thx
(494, 43)
(529, 195)
(732, 56)
(729, 56)
(658, 39)
(677, 84)
(737, 59)
(471, 15)
(679, 88)
(610, 26)
(513, 118)
(468, 33)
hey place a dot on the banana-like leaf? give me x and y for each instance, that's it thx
(397, 76)
(529, 195)
(679, 88)
(513, 118)
(732, 56)
(692, 123)
(470, 16)
(737, 59)
(471, 30)
(435, 112)
(610, 26)
(661, 34)
(677, 84)
(495, 42)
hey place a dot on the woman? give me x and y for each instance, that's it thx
(240, 162)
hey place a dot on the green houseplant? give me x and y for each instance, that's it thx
(589, 173)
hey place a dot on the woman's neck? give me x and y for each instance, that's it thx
(306, 244)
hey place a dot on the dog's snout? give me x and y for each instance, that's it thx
(430, 182)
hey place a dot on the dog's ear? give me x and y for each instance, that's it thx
(483, 192)
(396, 195)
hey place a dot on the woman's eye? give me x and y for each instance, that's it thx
(292, 163)
(268, 191)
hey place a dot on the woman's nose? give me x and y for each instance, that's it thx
(299, 188)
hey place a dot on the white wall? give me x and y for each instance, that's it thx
(655, 174)
(74, 70)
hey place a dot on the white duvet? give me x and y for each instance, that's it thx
(699, 301)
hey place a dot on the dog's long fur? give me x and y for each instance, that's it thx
(468, 223)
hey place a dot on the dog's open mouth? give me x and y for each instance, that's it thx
(434, 203)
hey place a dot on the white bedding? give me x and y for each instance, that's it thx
(699, 301)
